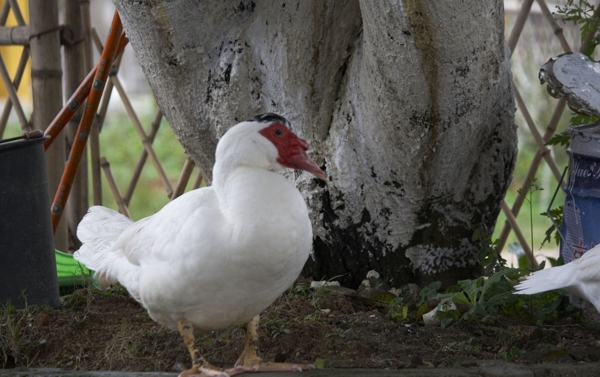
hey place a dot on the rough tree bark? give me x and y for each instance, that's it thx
(407, 105)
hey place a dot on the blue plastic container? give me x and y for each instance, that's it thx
(581, 215)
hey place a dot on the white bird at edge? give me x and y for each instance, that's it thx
(581, 278)
(218, 256)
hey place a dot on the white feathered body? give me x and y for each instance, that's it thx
(581, 278)
(215, 256)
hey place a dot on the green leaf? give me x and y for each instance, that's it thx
(562, 139)
(523, 261)
(424, 308)
(429, 291)
(322, 363)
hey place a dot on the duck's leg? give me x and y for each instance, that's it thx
(200, 367)
(250, 362)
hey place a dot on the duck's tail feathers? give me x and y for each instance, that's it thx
(545, 280)
(98, 232)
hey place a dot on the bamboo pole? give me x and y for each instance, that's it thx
(113, 187)
(515, 225)
(101, 116)
(87, 29)
(155, 125)
(4, 13)
(15, 35)
(103, 109)
(46, 73)
(108, 55)
(96, 170)
(515, 33)
(78, 202)
(184, 178)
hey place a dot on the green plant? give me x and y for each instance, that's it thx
(582, 13)
(14, 345)
(429, 291)
(116, 290)
(276, 326)
(304, 291)
(397, 311)
(478, 299)
(510, 353)
(556, 214)
(489, 256)
(322, 363)
(532, 187)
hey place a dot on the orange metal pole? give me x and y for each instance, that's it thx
(77, 99)
(102, 73)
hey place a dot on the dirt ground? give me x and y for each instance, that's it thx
(108, 330)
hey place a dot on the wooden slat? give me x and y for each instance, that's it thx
(113, 187)
(184, 178)
(16, 83)
(155, 125)
(17, 35)
(522, 241)
(14, 99)
(515, 33)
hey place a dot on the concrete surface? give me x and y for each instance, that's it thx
(487, 368)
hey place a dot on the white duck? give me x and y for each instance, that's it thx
(217, 256)
(581, 278)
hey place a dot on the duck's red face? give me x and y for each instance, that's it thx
(292, 149)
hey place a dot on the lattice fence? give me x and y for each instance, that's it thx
(535, 34)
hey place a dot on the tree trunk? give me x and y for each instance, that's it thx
(407, 106)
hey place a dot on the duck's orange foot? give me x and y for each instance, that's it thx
(257, 365)
(200, 371)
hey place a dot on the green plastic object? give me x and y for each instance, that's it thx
(72, 273)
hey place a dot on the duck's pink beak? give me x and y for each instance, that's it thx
(301, 161)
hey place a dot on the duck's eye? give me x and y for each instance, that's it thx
(278, 133)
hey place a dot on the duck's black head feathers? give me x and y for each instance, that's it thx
(270, 117)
